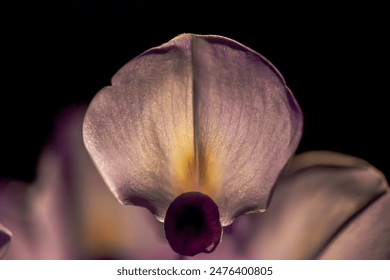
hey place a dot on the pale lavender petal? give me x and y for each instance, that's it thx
(199, 113)
(5, 238)
(367, 236)
(135, 128)
(309, 207)
(247, 124)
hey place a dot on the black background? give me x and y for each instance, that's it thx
(58, 53)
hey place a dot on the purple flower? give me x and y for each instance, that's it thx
(200, 119)
(199, 131)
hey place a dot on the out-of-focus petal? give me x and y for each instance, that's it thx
(311, 206)
(5, 238)
(43, 215)
(322, 158)
(69, 213)
(15, 214)
(199, 113)
(367, 236)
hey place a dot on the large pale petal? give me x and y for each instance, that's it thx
(248, 124)
(199, 113)
(311, 206)
(140, 130)
(5, 238)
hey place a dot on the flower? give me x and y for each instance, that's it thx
(196, 130)
(176, 136)
(325, 205)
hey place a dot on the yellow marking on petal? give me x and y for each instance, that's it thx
(182, 169)
(192, 172)
(209, 173)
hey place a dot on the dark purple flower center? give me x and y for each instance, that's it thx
(192, 224)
